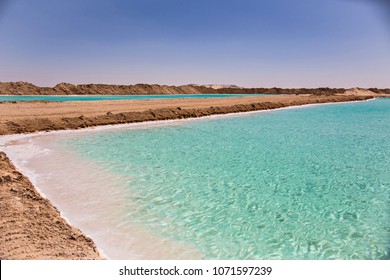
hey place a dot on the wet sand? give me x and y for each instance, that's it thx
(31, 227)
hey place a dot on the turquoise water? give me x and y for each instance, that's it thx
(302, 183)
(67, 98)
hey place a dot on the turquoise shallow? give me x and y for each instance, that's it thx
(302, 183)
(67, 98)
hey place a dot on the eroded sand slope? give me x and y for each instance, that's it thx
(31, 227)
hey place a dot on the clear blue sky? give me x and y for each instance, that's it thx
(253, 43)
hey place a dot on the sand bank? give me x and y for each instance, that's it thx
(31, 227)
(27, 117)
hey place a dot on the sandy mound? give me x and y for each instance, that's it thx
(359, 92)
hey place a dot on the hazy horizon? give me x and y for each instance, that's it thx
(248, 43)
(179, 85)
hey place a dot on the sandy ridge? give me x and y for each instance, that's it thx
(27, 117)
(25, 88)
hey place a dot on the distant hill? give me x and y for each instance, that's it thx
(25, 88)
(216, 86)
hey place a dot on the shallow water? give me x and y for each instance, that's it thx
(303, 183)
(67, 98)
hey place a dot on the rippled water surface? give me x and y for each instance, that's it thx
(303, 183)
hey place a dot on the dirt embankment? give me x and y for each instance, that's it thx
(27, 117)
(25, 88)
(31, 227)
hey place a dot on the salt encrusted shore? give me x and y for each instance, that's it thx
(30, 226)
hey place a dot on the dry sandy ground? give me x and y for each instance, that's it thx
(25, 117)
(30, 226)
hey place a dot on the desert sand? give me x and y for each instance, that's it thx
(25, 88)
(27, 117)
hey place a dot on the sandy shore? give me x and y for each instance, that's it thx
(31, 227)
(27, 117)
